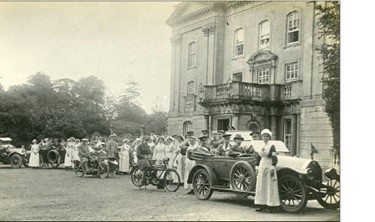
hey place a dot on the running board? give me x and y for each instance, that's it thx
(227, 189)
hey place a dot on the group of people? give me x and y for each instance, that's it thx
(176, 149)
(77, 150)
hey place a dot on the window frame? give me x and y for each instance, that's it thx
(260, 35)
(295, 78)
(237, 73)
(193, 54)
(268, 75)
(193, 90)
(298, 13)
(236, 44)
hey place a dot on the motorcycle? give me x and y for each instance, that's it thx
(159, 175)
(98, 165)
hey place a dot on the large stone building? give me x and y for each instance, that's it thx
(251, 65)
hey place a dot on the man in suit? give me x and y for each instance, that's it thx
(84, 154)
(225, 147)
(237, 148)
(112, 150)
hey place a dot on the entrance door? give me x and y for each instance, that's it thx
(222, 124)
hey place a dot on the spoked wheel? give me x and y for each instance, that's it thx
(332, 198)
(242, 179)
(202, 185)
(103, 171)
(137, 176)
(16, 161)
(53, 158)
(171, 180)
(292, 192)
(79, 171)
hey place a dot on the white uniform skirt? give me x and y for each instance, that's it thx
(267, 190)
(189, 165)
(34, 160)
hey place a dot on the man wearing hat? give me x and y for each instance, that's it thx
(255, 135)
(203, 144)
(215, 141)
(112, 149)
(84, 154)
(144, 154)
(225, 147)
(237, 148)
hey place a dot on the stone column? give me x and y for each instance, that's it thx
(209, 31)
(235, 118)
(176, 73)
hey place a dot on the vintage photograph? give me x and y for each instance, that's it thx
(170, 111)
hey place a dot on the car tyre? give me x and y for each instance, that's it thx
(293, 195)
(332, 198)
(53, 158)
(202, 185)
(16, 161)
(243, 179)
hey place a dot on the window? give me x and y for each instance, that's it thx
(188, 126)
(288, 133)
(263, 75)
(264, 35)
(293, 27)
(237, 77)
(291, 71)
(239, 35)
(222, 124)
(191, 87)
(192, 54)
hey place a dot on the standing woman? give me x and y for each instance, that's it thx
(68, 154)
(181, 156)
(159, 151)
(267, 191)
(34, 155)
(170, 151)
(193, 146)
(75, 157)
(124, 156)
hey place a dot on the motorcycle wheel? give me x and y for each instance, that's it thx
(103, 171)
(137, 176)
(79, 171)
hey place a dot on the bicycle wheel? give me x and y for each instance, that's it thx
(171, 180)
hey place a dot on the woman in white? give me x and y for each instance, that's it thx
(75, 157)
(34, 155)
(180, 157)
(193, 146)
(68, 155)
(267, 191)
(171, 151)
(159, 151)
(124, 156)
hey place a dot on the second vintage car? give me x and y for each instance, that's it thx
(299, 179)
(10, 154)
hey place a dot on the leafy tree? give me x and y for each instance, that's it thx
(329, 23)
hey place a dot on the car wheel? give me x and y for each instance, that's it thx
(103, 171)
(202, 184)
(171, 180)
(293, 195)
(242, 179)
(332, 198)
(53, 158)
(15, 161)
(137, 176)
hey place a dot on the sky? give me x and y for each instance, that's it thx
(114, 41)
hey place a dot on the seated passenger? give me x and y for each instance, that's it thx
(238, 149)
(225, 147)
(203, 147)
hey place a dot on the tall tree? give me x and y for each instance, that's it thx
(329, 23)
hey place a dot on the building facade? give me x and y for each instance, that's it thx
(251, 65)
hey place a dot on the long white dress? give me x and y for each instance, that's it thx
(159, 153)
(75, 152)
(267, 190)
(189, 164)
(171, 151)
(124, 158)
(34, 156)
(68, 155)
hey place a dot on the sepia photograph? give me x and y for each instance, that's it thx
(170, 111)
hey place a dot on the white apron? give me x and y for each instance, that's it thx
(188, 167)
(68, 156)
(34, 156)
(267, 190)
(124, 159)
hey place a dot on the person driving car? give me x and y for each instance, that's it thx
(237, 148)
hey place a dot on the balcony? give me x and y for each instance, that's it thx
(248, 92)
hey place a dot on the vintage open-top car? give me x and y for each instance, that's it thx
(10, 154)
(299, 179)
